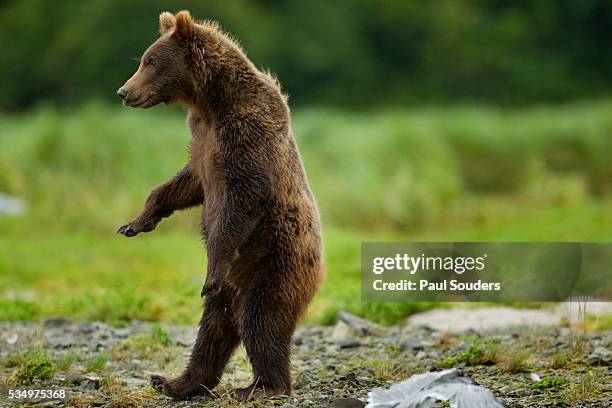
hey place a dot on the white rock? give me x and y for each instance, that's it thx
(341, 331)
(10, 205)
(464, 318)
(12, 339)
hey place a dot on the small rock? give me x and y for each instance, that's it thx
(56, 322)
(61, 342)
(12, 338)
(352, 378)
(600, 356)
(134, 382)
(534, 377)
(74, 379)
(359, 326)
(350, 343)
(123, 332)
(90, 382)
(128, 366)
(316, 362)
(471, 332)
(184, 342)
(341, 332)
(523, 393)
(305, 378)
(347, 403)
(102, 327)
(425, 327)
(86, 328)
(411, 344)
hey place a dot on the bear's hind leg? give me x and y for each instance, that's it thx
(266, 325)
(217, 339)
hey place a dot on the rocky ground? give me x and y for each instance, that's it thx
(99, 365)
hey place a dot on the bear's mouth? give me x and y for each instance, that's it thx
(139, 103)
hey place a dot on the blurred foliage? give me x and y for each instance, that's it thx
(412, 175)
(358, 53)
(391, 170)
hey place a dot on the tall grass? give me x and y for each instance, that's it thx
(393, 169)
(457, 174)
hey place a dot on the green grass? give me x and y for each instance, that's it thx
(32, 365)
(158, 276)
(65, 362)
(160, 335)
(547, 383)
(589, 386)
(97, 363)
(458, 174)
(478, 352)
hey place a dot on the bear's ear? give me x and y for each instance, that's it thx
(184, 25)
(166, 22)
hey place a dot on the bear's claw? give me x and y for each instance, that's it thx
(127, 230)
(208, 290)
(157, 382)
(178, 388)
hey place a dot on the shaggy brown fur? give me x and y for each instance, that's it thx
(260, 222)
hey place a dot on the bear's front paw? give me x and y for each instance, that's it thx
(136, 227)
(129, 230)
(211, 287)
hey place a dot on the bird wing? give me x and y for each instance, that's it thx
(397, 393)
(422, 391)
(473, 396)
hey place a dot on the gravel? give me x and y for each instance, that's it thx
(106, 366)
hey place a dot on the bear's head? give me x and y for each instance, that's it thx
(163, 74)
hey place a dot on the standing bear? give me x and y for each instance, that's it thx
(259, 220)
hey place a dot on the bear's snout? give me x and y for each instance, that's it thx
(122, 93)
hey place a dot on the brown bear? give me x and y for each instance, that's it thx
(260, 222)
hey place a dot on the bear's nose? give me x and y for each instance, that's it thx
(122, 93)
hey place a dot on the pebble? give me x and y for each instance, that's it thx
(56, 322)
(342, 331)
(411, 344)
(12, 338)
(600, 356)
(348, 403)
(349, 343)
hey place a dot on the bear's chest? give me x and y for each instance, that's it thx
(205, 159)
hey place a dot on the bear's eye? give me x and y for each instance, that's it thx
(151, 62)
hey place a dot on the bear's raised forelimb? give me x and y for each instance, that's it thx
(184, 190)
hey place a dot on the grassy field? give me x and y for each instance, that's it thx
(464, 174)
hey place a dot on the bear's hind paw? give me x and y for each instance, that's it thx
(178, 388)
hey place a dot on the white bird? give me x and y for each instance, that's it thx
(424, 390)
